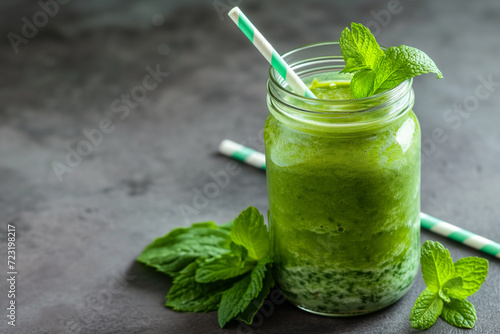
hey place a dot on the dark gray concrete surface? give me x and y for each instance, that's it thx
(77, 239)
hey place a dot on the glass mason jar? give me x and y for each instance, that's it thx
(343, 182)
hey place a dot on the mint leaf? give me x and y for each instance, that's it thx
(360, 50)
(426, 310)
(173, 252)
(451, 287)
(473, 271)
(362, 83)
(460, 313)
(238, 250)
(249, 312)
(437, 265)
(399, 64)
(250, 232)
(187, 295)
(375, 70)
(443, 296)
(453, 283)
(223, 267)
(239, 297)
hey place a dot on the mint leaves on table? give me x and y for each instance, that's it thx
(376, 70)
(448, 286)
(225, 268)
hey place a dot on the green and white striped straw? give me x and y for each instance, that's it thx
(257, 159)
(298, 86)
(459, 234)
(242, 153)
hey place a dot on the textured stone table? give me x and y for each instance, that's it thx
(77, 239)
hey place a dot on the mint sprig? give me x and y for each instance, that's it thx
(225, 268)
(448, 286)
(375, 70)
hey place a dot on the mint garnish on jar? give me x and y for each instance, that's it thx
(376, 70)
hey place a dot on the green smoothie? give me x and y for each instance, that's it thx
(344, 210)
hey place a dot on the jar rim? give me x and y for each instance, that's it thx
(332, 117)
(389, 95)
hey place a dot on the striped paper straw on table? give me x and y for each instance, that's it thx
(242, 153)
(297, 85)
(257, 159)
(460, 235)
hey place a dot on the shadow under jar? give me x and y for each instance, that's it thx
(343, 181)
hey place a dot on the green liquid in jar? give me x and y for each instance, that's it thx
(344, 212)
